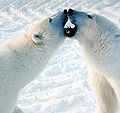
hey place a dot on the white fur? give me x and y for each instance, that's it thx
(99, 39)
(22, 60)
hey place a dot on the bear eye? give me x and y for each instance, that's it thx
(89, 16)
(37, 36)
(50, 19)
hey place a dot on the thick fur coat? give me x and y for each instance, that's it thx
(99, 39)
(23, 58)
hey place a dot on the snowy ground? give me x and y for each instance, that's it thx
(62, 87)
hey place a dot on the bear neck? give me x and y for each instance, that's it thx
(98, 43)
(28, 59)
(105, 25)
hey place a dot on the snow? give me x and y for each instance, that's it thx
(63, 85)
(69, 24)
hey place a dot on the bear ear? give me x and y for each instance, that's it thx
(90, 16)
(37, 39)
(50, 20)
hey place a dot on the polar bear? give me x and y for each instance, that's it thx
(23, 58)
(99, 39)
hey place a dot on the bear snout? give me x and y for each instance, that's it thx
(70, 12)
(70, 28)
(65, 11)
(65, 17)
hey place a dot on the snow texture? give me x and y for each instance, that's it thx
(63, 85)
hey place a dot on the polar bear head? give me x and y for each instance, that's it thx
(97, 35)
(88, 25)
(49, 32)
(89, 29)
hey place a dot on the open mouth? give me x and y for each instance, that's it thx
(70, 29)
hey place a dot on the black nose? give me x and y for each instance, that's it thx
(70, 12)
(65, 11)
